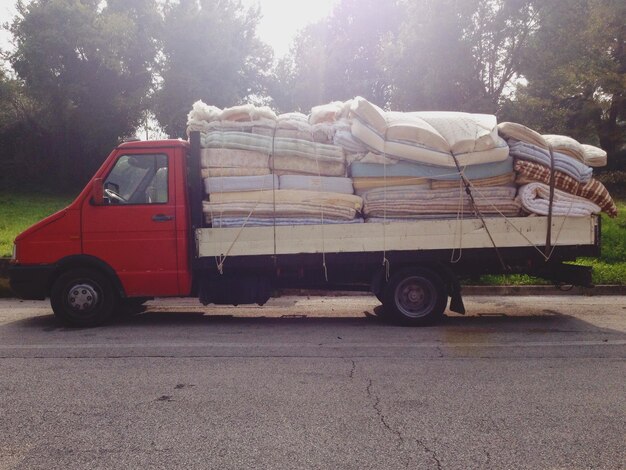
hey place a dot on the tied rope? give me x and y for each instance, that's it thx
(320, 190)
(548, 250)
(385, 262)
(477, 211)
(221, 259)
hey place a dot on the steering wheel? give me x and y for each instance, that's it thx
(113, 196)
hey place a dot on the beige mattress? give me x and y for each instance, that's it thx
(428, 137)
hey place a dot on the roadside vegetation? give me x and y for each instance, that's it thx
(609, 268)
(20, 211)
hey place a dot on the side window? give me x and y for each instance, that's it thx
(137, 179)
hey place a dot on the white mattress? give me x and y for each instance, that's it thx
(333, 184)
(229, 184)
(429, 137)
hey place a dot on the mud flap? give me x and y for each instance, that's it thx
(569, 274)
(456, 301)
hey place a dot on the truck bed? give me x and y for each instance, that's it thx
(421, 235)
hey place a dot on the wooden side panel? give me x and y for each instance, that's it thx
(419, 235)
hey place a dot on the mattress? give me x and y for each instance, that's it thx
(343, 137)
(535, 198)
(247, 112)
(501, 180)
(593, 190)
(410, 193)
(290, 165)
(233, 158)
(228, 184)
(418, 208)
(563, 163)
(415, 169)
(594, 156)
(428, 137)
(235, 171)
(230, 222)
(292, 156)
(296, 126)
(409, 201)
(331, 184)
(566, 146)
(512, 130)
(307, 149)
(292, 196)
(237, 140)
(361, 185)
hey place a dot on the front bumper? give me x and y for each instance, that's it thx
(30, 282)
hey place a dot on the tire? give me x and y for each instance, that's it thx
(83, 297)
(415, 297)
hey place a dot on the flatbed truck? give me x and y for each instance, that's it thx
(137, 231)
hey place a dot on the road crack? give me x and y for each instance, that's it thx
(430, 452)
(353, 370)
(381, 416)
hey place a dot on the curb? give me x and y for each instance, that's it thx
(543, 290)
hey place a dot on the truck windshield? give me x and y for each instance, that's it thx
(137, 179)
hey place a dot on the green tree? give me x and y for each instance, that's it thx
(338, 57)
(575, 73)
(88, 65)
(452, 55)
(210, 52)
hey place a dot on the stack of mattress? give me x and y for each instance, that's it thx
(416, 161)
(350, 162)
(536, 156)
(262, 169)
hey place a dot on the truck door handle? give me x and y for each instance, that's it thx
(162, 218)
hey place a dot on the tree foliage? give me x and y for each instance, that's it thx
(88, 66)
(338, 57)
(85, 73)
(210, 52)
(458, 55)
(575, 72)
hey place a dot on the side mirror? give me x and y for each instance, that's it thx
(97, 192)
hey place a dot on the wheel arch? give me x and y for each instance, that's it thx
(444, 270)
(379, 278)
(90, 262)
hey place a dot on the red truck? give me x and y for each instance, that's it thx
(137, 232)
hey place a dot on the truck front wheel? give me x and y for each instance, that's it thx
(415, 296)
(83, 297)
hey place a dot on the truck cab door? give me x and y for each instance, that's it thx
(134, 231)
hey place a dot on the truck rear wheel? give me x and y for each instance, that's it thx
(415, 296)
(83, 297)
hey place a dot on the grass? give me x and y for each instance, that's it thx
(609, 268)
(20, 211)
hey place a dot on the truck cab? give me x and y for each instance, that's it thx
(127, 232)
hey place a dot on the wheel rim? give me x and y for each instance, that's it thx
(82, 298)
(415, 297)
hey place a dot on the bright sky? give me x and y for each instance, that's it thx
(282, 19)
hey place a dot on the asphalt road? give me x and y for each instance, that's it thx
(520, 382)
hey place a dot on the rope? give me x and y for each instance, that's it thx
(319, 175)
(459, 224)
(221, 259)
(549, 231)
(385, 262)
(466, 182)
